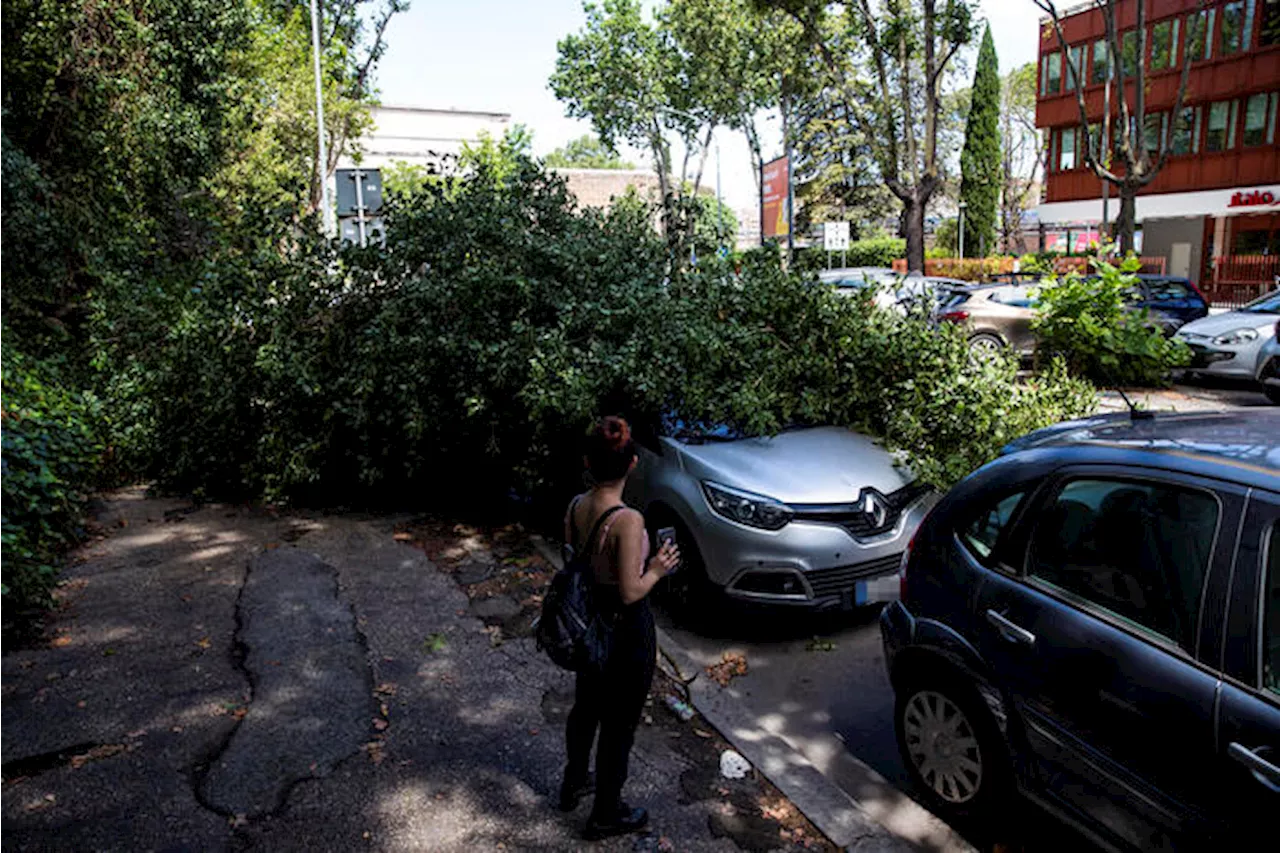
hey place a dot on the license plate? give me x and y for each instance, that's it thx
(877, 589)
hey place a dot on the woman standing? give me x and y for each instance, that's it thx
(613, 700)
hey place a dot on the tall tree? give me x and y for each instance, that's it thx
(586, 152)
(1021, 154)
(980, 158)
(638, 80)
(1139, 154)
(903, 50)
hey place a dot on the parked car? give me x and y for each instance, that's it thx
(811, 517)
(1267, 372)
(1173, 301)
(1094, 620)
(995, 316)
(1228, 344)
(858, 277)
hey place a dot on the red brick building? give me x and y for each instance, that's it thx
(1214, 210)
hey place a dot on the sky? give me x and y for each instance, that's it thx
(497, 55)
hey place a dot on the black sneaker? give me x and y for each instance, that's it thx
(571, 794)
(624, 820)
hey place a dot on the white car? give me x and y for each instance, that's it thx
(1228, 344)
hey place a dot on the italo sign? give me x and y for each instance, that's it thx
(1254, 198)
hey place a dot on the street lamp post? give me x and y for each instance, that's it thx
(961, 240)
(322, 163)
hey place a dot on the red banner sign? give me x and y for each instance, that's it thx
(775, 181)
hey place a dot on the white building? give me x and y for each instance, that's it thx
(423, 136)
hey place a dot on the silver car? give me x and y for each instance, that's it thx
(1268, 370)
(1228, 344)
(812, 517)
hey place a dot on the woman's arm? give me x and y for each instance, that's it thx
(635, 578)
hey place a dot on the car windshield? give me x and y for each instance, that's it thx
(1166, 289)
(1269, 304)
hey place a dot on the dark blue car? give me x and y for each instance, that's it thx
(1093, 620)
(1172, 301)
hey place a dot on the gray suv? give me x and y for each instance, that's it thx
(813, 517)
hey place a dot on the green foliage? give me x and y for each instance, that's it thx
(1091, 325)
(474, 343)
(980, 166)
(51, 452)
(586, 152)
(947, 237)
(875, 252)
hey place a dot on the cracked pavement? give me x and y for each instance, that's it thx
(223, 678)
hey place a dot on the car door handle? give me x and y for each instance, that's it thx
(1011, 632)
(1264, 771)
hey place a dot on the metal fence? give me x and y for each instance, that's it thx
(1239, 279)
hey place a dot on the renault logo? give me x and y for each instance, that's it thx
(875, 508)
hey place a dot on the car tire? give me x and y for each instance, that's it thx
(985, 345)
(951, 746)
(1273, 394)
(687, 593)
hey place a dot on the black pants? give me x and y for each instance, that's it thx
(612, 702)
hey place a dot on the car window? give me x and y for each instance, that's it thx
(1138, 550)
(1269, 304)
(982, 533)
(1166, 289)
(1019, 297)
(1271, 619)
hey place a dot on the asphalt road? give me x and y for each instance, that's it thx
(813, 676)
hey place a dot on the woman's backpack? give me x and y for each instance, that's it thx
(572, 629)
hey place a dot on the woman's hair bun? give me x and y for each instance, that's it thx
(610, 449)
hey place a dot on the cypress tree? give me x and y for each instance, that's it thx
(980, 158)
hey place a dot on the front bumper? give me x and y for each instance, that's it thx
(1217, 361)
(808, 563)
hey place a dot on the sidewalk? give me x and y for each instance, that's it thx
(220, 678)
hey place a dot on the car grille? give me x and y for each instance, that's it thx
(832, 583)
(858, 523)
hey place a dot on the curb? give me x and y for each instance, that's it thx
(837, 815)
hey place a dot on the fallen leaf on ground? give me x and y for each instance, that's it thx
(380, 724)
(204, 642)
(271, 546)
(62, 640)
(731, 664)
(386, 688)
(403, 536)
(701, 733)
(98, 752)
(238, 821)
(435, 643)
(817, 644)
(374, 749)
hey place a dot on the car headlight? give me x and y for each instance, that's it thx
(1236, 336)
(746, 508)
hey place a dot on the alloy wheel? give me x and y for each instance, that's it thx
(943, 746)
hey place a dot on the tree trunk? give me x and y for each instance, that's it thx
(913, 226)
(1126, 220)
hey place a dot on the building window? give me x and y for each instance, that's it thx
(1237, 26)
(1067, 149)
(1259, 124)
(1186, 132)
(1075, 59)
(1153, 133)
(1164, 44)
(1220, 135)
(1099, 61)
(1269, 26)
(1129, 53)
(1200, 35)
(1051, 74)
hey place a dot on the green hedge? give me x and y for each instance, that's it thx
(52, 450)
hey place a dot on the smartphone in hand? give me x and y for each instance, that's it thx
(665, 535)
